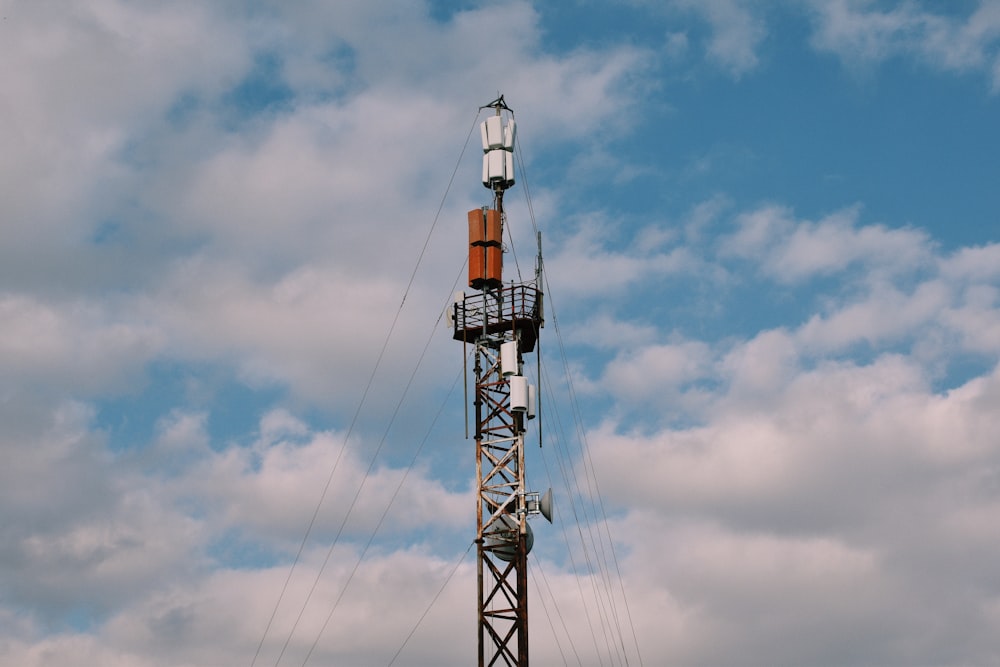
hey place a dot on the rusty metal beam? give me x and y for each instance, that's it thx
(502, 582)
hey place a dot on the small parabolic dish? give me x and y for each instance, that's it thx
(502, 538)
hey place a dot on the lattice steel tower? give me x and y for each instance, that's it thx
(502, 321)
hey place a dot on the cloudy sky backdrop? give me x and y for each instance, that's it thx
(771, 237)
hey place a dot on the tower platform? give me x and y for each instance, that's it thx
(516, 308)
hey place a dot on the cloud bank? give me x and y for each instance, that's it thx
(212, 213)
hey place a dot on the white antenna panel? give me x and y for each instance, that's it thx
(532, 401)
(484, 136)
(492, 131)
(498, 165)
(508, 137)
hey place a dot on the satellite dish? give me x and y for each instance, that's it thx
(545, 505)
(502, 539)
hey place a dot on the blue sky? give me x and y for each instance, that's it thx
(771, 244)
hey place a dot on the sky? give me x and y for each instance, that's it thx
(233, 414)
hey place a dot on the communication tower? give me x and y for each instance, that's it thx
(502, 322)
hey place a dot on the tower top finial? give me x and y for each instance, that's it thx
(497, 104)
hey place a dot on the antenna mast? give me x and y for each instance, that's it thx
(502, 322)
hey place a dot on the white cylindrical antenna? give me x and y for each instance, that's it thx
(508, 358)
(518, 393)
(532, 401)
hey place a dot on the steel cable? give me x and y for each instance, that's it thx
(357, 412)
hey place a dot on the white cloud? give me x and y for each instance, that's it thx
(814, 503)
(651, 370)
(973, 263)
(895, 287)
(268, 490)
(882, 315)
(976, 319)
(78, 91)
(605, 331)
(740, 593)
(871, 469)
(217, 618)
(737, 32)
(591, 262)
(90, 535)
(74, 345)
(276, 245)
(863, 34)
(288, 331)
(104, 538)
(149, 220)
(180, 431)
(791, 250)
(762, 365)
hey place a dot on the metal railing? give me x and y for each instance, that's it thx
(515, 307)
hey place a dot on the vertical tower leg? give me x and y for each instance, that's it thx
(501, 532)
(522, 601)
